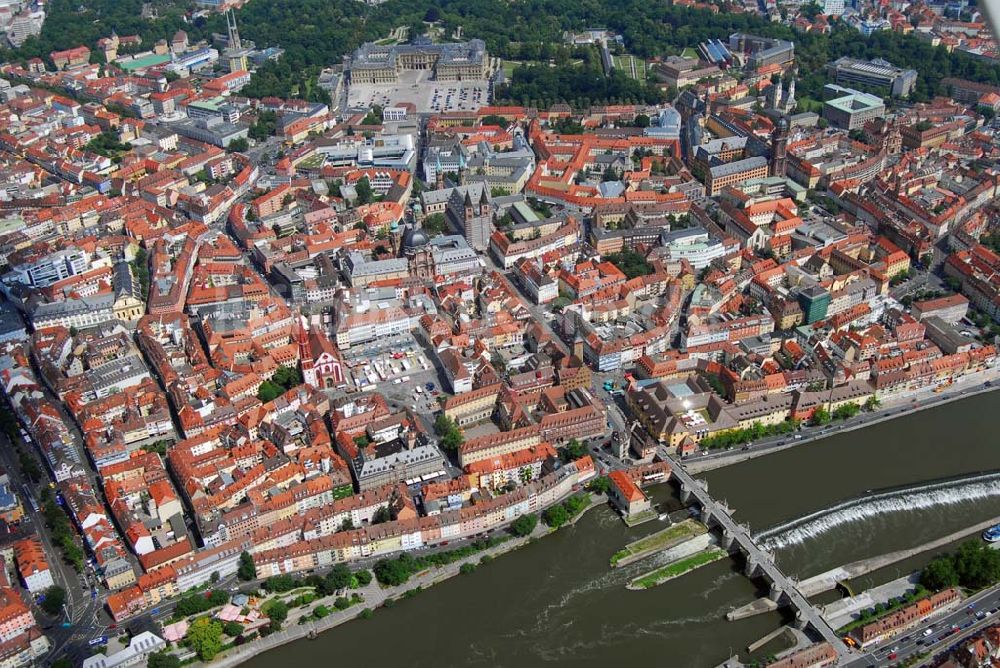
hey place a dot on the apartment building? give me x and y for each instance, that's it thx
(32, 565)
(734, 173)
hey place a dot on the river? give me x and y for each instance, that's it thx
(556, 602)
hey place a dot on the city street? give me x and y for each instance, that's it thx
(946, 631)
(538, 311)
(86, 617)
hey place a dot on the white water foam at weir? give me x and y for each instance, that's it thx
(952, 492)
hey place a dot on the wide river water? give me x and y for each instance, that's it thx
(557, 602)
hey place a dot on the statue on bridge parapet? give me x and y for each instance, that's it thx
(775, 593)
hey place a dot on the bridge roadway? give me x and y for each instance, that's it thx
(759, 562)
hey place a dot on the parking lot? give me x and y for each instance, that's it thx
(423, 93)
(423, 402)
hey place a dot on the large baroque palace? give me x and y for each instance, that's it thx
(374, 64)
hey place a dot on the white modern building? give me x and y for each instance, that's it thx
(50, 269)
(694, 245)
(140, 647)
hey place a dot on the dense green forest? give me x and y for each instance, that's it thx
(317, 33)
(579, 85)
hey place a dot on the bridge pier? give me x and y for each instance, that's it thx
(752, 568)
(728, 540)
(686, 494)
(800, 620)
(707, 517)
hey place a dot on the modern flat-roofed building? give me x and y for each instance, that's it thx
(967, 92)
(946, 337)
(715, 52)
(877, 73)
(692, 244)
(139, 647)
(833, 7)
(50, 269)
(850, 109)
(814, 301)
(212, 130)
(762, 51)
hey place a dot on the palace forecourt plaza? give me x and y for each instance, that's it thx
(431, 77)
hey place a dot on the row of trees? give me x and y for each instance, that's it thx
(61, 532)
(752, 433)
(194, 604)
(561, 513)
(822, 416)
(246, 570)
(524, 525)
(757, 430)
(27, 461)
(398, 570)
(279, 584)
(879, 610)
(140, 267)
(339, 577)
